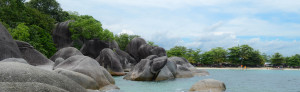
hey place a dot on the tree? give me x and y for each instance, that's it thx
(214, 56)
(277, 59)
(240, 54)
(21, 32)
(123, 40)
(193, 56)
(86, 28)
(50, 7)
(255, 59)
(293, 61)
(179, 51)
(219, 55)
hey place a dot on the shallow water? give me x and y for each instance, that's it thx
(235, 81)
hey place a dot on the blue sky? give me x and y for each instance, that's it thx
(267, 25)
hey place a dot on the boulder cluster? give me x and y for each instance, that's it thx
(89, 69)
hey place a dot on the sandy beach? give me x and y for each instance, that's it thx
(249, 68)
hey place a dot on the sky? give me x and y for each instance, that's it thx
(267, 25)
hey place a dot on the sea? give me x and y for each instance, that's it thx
(236, 80)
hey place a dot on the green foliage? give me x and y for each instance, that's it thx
(214, 56)
(151, 43)
(41, 40)
(50, 7)
(36, 36)
(123, 40)
(277, 59)
(293, 61)
(179, 51)
(193, 56)
(245, 55)
(21, 32)
(86, 28)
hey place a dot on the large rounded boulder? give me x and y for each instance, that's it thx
(89, 67)
(93, 47)
(31, 55)
(111, 61)
(28, 87)
(146, 50)
(152, 69)
(23, 73)
(113, 44)
(65, 53)
(61, 35)
(185, 69)
(126, 60)
(84, 80)
(133, 46)
(8, 47)
(208, 85)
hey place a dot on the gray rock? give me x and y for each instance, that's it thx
(164, 74)
(89, 67)
(172, 67)
(145, 50)
(8, 47)
(208, 85)
(28, 87)
(83, 80)
(65, 53)
(158, 64)
(32, 56)
(19, 60)
(109, 87)
(151, 57)
(141, 71)
(93, 47)
(133, 46)
(18, 72)
(126, 60)
(61, 35)
(111, 61)
(58, 61)
(181, 61)
(113, 45)
(183, 72)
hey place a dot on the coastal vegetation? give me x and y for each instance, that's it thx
(234, 56)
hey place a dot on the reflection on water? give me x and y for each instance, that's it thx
(235, 81)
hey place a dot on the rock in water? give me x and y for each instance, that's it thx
(110, 60)
(208, 85)
(19, 72)
(181, 61)
(133, 46)
(93, 47)
(31, 55)
(89, 67)
(183, 72)
(28, 87)
(158, 64)
(141, 71)
(150, 70)
(62, 35)
(83, 80)
(65, 53)
(8, 46)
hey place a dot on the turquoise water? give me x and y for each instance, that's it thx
(235, 81)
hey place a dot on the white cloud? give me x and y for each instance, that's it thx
(167, 22)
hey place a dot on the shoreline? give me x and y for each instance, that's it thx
(248, 68)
